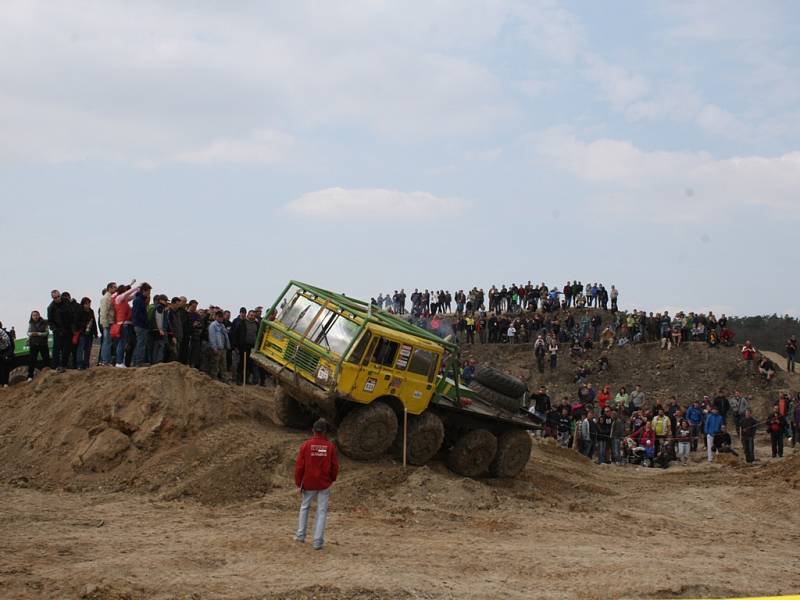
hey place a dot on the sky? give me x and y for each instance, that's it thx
(217, 150)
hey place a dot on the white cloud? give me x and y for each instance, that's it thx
(370, 203)
(262, 147)
(617, 85)
(670, 186)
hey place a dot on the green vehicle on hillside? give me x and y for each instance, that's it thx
(18, 364)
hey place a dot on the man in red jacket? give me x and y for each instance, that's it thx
(315, 470)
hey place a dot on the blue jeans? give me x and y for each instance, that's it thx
(84, 351)
(105, 348)
(140, 351)
(122, 343)
(601, 450)
(322, 516)
(616, 449)
(158, 350)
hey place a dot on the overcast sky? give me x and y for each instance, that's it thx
(217, 150)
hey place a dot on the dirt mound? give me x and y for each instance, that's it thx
(689, 371)
(167, 428)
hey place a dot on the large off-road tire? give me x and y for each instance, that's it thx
(366, 432)
(425, 435)
(496, 398)
(500, 382)
(289, 412)
(513, 452)
(472, 453)
(18, 375)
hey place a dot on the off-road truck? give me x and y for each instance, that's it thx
(375, 376)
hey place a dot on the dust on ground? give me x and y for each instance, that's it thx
(198, 501)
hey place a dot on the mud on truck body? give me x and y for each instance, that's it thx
(367, 370)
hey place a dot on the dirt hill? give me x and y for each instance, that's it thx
(167, 428)
(689, 372)
(213, 503)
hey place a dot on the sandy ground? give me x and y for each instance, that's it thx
(567, 529)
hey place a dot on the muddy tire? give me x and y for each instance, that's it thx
(289, 412)
(500, 382)
(496, 398)
(513, 452)
(472, 453)
(425, 436)
(366, 432)
(18, 375)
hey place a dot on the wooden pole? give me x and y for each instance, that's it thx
(405, 435)
(244, 373)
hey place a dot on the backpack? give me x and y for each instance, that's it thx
(6, 344)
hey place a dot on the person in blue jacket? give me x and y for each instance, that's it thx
(713, 426)
(694, 415)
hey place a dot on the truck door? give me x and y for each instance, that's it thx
(375, 376)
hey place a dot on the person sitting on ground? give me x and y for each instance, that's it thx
(645, 439)
(722, 441)
(664, 456)
(582, 373)
(602, 362)
(606, 339)
(766, 368)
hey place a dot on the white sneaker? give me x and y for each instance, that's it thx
(30, 379)
(120, 366)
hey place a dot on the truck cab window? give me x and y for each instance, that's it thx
(384, 352)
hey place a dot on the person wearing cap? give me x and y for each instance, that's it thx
(315, 470)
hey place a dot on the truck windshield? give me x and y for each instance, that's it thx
(330, 329)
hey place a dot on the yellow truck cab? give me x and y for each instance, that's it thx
(366, 371)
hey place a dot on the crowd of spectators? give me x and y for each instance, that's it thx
(624, 428)
(133, 327)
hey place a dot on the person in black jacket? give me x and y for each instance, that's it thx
(37, 342)
(604, 423)
(747, 427)
(59, 322)
(86, 330)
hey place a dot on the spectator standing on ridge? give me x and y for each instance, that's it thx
(315, 470)
(105, 322)
(37, 342)
(6, 353)
(139, 319)
(60, 321)
(748, 427)
(122, 316)
(614, 296)
(791, 351)
(218, 344)
(749, 356)
(86, 331)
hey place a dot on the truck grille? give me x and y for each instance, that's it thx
(304, 359)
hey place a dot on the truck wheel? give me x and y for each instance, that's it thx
(366, 432)
(425, 435)
(500, 382)
(289, 412)
(496, 398)
(513, 452)
(18, 375)
(472, 453)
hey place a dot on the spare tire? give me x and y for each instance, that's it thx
(500, 382)
(495, 398)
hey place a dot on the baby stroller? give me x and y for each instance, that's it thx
(639, 455)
